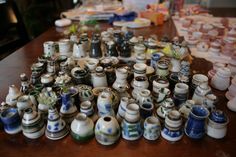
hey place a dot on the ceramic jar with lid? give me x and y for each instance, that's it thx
(32, 124)
(172, 130)
(82, 128)
(152, 128)
(200, 92)
(221, 79)
(217, 124)
(107, 130)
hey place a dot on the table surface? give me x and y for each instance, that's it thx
(17, 145)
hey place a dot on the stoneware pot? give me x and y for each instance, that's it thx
(200, 92)
(217, 124)
(180, 93)
(32, 124)
(152, 128)
(195, 126)
(82, 128)
(11, 121)
(166, 106)
(107, 130)
(186, 108)
(124, 101)
(13, 94)
(221, 79)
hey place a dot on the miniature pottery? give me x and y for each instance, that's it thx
(180, 93)
(200, 92)
(155, 58)
(152, 128)
(162, 68)
(175, 65)
(232, 104)
(144, 96)
(186, 108)
(11, 121)
(82, 128)
(78, 50)
(85, 93)
(210, 101)
(95, 49)
(107, 130)
(104, 104)
(49, 48)
(165, 107)
(68, 109)
(12, 96)
(195, 126)
(32, 124)
(56, 127)
(221, 79)
(121, 83)
(124, 101)
(64, 47)
(217, 124)
(99, 79)
(80, 75)
(23, 103)
(173, 127)
(146, 110)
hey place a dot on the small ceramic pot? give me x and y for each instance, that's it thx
(217, 124)
(140, 82)
(56, 127)
(124, 101)
(12, 96)
(64, 47)
(200, 92)
(121, 83)
(210, 101)
(23, 103)
(86, 107)
(49, 48)
(152, 128)
(186, 108)
(78, 50)
(160, 96)
(104, 104)
(221, 79)
(159, 84)
(80, 75)
(166, 106)
(125, 49)
(140, 69)
(99, 79)
(146, 110)
(195, 126)
(132, 113)
(197, 80)
(85, 93)
(82, 128)
(11, 121)
(107, 130)
(32, 124)
(95, 48)
(144, 96)
(162, 69)
(180, 93)
(139, 49)
(173, 127)
(231, 90)
(140, 58)
(175, 65)
(155, 58)
(131, 131)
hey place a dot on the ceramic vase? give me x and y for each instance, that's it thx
(160, 95)
(217, 124)
(139, 82)
(11, 121)
(125, 49)
(221, 79)
(144, 96)
(12, 96)
(195, 126)
(159, 83)
(184, 73)
(162, 69)
(49, 48)
(152, 128)
(56, 127)
(68, 109)
(104, 104)
(111, 49)
(197, 80)
(107, 130)
(95, 49)
(155, 58)
(175, 65)
(173, 127)
(85, 93)
(32, 124)
(121, 84)
(200, 92)
(131, 125)
(82, 128)
(210, 101)
(186, 108)
(140, 69)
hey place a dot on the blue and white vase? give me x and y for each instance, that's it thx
(68, 110)
(107, 130)
(11, 121)
(152, 128)
(155, 58)
(196, 124)
(104, 104)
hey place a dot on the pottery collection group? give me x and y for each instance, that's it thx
(120, 86)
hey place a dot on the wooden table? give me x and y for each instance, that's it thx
(17, 145)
